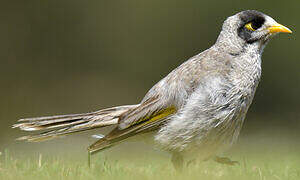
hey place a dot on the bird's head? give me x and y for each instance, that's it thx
(249, 28)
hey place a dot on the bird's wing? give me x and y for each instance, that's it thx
(144, 118)
(148, 109)
(151, 113)
(155, 109)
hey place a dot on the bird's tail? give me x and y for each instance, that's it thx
(61, 125)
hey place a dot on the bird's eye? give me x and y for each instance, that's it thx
(250, 27)
(254, 25)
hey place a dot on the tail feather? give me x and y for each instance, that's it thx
(68, 124)
(51, 134)
(29, 126)
(45, 118)
(99, 145)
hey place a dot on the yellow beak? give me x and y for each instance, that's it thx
(276, 28)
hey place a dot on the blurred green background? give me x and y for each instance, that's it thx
(69, 56)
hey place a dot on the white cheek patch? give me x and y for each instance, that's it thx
(269, 22)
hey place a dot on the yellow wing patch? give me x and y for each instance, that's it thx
(156, 116)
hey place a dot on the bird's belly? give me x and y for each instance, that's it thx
(211, 120)
(216, 142)
(203, 138)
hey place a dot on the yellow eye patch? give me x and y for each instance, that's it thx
(249, 27)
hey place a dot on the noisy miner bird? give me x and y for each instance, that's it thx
(196, 111)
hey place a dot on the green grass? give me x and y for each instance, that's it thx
(255, 164)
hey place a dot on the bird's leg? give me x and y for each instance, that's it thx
(177, 161)
(225, 160)
(191, 163)
(89, 159)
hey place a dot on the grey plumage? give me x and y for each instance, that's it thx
(198, 109)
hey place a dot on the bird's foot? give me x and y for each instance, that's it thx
(192, 162)
(225, 160)
(177, 161)
(89, 159)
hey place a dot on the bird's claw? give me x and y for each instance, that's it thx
(226, 161)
